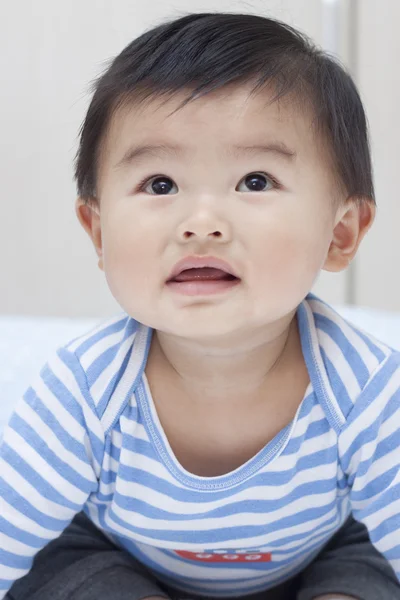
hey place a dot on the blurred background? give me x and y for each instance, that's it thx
(51, 51)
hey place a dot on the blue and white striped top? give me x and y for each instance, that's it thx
(86, 436)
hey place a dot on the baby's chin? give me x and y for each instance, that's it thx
(225, 334)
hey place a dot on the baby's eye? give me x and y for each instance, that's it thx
(160, 184)
(256, 182)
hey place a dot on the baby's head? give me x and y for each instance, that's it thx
(255, 143)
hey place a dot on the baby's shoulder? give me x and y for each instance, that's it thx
(353, 358)
(106, 330)
(111, 356)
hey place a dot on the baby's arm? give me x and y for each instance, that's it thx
(49, 463)
(369, 448)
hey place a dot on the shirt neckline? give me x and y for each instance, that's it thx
(268, 453)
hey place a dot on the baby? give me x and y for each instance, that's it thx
(217, 437)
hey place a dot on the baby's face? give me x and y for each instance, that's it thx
(275, 237)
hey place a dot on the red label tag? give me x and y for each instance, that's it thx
(225, 556)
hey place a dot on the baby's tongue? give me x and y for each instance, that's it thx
(201, 273)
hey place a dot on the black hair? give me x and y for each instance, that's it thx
(202, 52)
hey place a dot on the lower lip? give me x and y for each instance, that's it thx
(203, 288)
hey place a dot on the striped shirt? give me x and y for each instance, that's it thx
(86, 436)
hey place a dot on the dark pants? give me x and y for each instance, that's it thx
(82, 564)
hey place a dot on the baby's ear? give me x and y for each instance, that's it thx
(353, 220)
(89, 217)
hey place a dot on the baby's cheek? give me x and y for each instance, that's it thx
(290, 262)
(128, 268)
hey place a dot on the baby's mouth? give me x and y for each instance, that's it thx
(203, 274)
(203, 281)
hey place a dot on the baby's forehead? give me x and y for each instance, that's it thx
(238, 101)
(228, 116)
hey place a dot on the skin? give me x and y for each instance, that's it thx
(223, 349)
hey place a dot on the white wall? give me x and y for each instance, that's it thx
(50, 52)
(377, 274)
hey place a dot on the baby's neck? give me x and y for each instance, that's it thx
(215, 376)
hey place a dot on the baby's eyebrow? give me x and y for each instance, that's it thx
(135, 154)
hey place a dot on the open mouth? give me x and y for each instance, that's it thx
(203, 281)
(203, 274)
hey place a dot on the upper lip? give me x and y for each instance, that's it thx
(196, 262)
